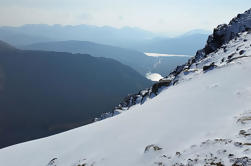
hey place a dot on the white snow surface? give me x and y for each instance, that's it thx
(198, 118)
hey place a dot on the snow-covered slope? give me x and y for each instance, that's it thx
(221, 35)
(203, 120)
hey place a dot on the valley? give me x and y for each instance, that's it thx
(113, 83)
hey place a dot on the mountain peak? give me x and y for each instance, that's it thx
(224, 33)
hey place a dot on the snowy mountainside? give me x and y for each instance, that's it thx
(221, 35)
(205, 119)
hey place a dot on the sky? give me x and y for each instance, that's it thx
(160, 16)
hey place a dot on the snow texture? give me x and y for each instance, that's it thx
(221, 36)
(203, 118)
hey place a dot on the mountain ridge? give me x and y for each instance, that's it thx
(54, 92)
(135, 59)
(127, 37)
(205, 119)
(221, 35)
(164, 130)
(6, 46)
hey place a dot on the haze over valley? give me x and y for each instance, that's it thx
(119, 83)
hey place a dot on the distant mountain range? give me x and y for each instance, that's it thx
(43, 93)
(135, 59)
(104, 35)
(178, 45)
(59, 87)
(127, 37)
(198, 115)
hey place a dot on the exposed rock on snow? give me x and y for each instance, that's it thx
(53, 162)
(205, 119)
(219, 152)
(152, 147)
(216, 42)
(209, 67)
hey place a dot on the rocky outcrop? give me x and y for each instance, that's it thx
(209, 67)
(152, 148)
(53, 162)
(217, 152)
(222, 34)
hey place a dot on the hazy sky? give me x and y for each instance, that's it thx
(165, 16)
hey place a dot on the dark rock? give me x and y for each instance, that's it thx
(238, 144)
(244, 133)
(222, 60)
(152, 147)
(224, 33)
(175, 82)
(242, 52)
(217, 164)
(230, 56)
(209, 67)
(178, 154)
(156, 86)
(230, 60)
(52, 162)
(159, 163)
(230, 155)
(244, 161)
(178, 70)
(221, 35)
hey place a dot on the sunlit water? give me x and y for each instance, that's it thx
(165, 55)
(157, 76)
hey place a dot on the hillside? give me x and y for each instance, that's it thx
(44, 93)
(6, 47)
(148, 134)
(221, 36)
(136, 60)
(198, 115)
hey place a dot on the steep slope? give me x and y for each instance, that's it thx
(43, 93)
(204, 119)
(136, 60)
(221, 35)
